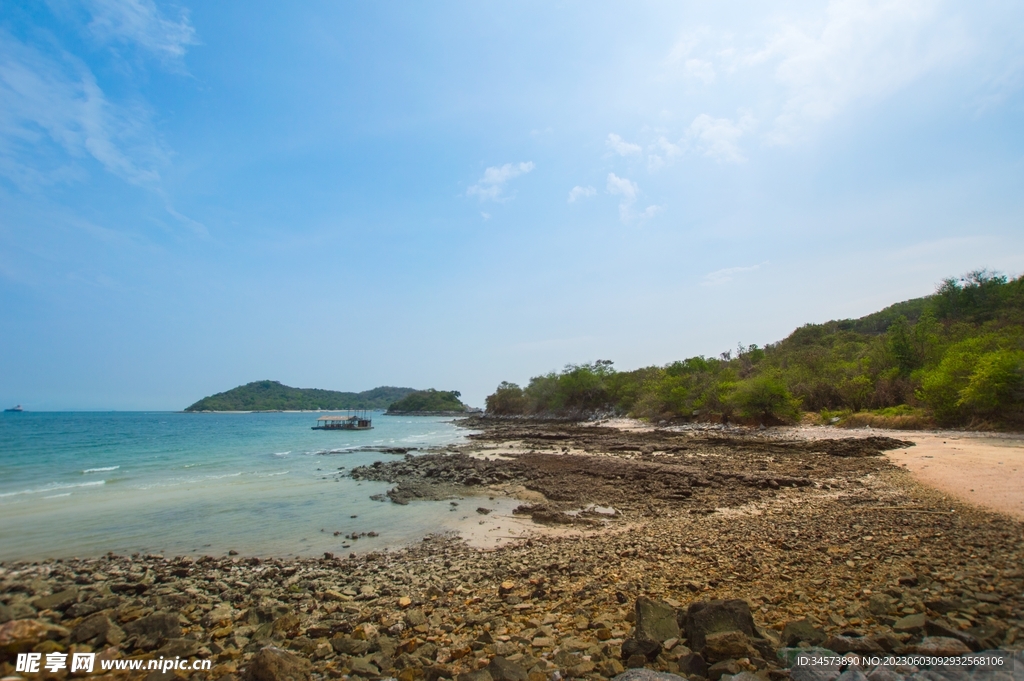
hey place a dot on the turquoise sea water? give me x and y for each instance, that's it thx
(84, 483)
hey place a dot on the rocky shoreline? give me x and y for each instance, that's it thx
(779, 543)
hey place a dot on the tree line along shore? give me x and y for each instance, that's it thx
(955, 358)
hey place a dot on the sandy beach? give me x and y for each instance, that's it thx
(621, 537)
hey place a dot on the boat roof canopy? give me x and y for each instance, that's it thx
(336, 418)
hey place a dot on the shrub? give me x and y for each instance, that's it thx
(765, 398)
(507, 400)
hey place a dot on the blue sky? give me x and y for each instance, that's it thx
(441, 194)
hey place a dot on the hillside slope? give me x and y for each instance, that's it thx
(429, 402)
(272, 395)
(955, 358)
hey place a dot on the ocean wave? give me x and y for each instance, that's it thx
(58, 496)
(176, 482)
(52, 487)
(226, 475)
(270, 475)
(282, 453)
(100, 470)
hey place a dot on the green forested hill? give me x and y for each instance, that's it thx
(428, 401)
(271, 395)
(953, 358)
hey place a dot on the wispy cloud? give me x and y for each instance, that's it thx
(141, 23)
(198, 228)
(861, 51)
(812, 66)
(491, 186)
(578, 192)
(60, 104)
(628, 191)
(723, 276)
(621, 146)
(661, 154)
(701, 70)
(718, 138)
(650, 212)
(621, 186)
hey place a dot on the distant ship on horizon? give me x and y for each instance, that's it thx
(15, 408)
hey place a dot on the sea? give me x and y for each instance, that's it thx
(82, 484)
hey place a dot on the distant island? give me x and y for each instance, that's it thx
(273, 396)
(430, 403)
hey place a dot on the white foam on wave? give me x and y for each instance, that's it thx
(282, 453)
(226, 475)
(58, 496)
(270, 475)
(100, 470)
(52, 487)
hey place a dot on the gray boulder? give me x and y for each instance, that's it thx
(646, 675)
(97, 630)
(727, 645)
(802, 630)
(935, 629)
(655, 621)
(710, 617)
(153, 630)
(274, 664)
(61, 600)
(853, 644)
(501, 669)
(478, 675)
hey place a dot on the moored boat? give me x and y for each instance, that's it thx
(358, 421)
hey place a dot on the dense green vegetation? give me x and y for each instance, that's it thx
(955, 358)
(429, 401)
(271, 395)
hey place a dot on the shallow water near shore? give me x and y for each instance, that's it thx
(85, 483)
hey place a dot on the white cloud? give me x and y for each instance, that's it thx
(628, 191)
(726, 275)
(662, 153)
(578, 192)
(718, 138)
(198, 228)
(621, 146)
(621, 186)
(491, 186)
(141, 22)
(51, 105)
(485, 216)
(859, 50)
(700, 69)
(813, 64)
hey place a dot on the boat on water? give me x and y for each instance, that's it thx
(15, 408)
(357, 421)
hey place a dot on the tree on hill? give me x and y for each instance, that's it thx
(429, 401)
(273, 395)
